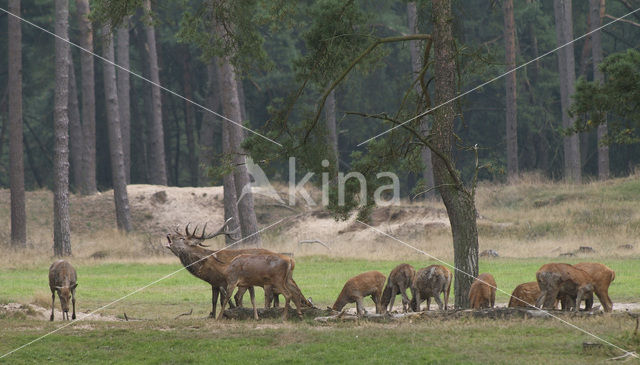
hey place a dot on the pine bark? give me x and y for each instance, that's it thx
(416, 67)
(511, 90)
(458, 202)
(190, 120)
(232, 109)
(121, 199)
(88, 185)
(61, 230)
(124, 98)
(596, 12)
(16, 158)
(207, 128)
(156, 155)
(566, 65)
(76, 140)
(332, 134)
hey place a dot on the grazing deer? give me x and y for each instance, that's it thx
(400, 279)
(602, 277)
(249, 270)
(565, 282)
(360, 286)
(483, 292)
(205, 264)
(428, 283)
(525, 295)
(63, 280)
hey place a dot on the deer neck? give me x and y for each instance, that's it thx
(193, 258)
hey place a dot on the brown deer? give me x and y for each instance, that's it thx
(63, 280)
(565, 282)
(602, 277)
(428, 283)
(249, 270)
(483, 292)
(399, 281)
(525, 295)
(370, 283)
(205, 264)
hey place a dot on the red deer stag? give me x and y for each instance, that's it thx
(562, 281)
(249, 270)
(430, 282)
(399, 281)
(205, 264)
(483, 292)
(360, 286)
(63, 280)
(602, 277)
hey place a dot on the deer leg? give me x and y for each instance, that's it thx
(73, 302)
(438, 300)
(493, 298)
(214, 299)
(227, 297)
(53, 299)
(239, 296)
(252, 294)
(405, 299)
(393, 299)
(418, 301)
(360, 307)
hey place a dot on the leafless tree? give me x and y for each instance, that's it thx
(121, 199)
(566, 65)
(61, 231)
(16, 161)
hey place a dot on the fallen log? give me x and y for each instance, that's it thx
(244, 313)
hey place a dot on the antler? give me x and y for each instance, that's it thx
(223, 230)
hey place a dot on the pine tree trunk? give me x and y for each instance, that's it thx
(118, 176)
(332, 134)
(566, 64)
(61, 231)
(458, 202)
(16, 160)
(596, 12)
(124, 98)
(76, 140)
(157, 164)
(205, 137)
(190, 120)
(232, 110)
(511, 100)
(88, 185)
(416, 67)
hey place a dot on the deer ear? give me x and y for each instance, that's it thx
(58, 287)
(74, 286)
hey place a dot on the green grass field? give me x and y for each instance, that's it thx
(159, 338)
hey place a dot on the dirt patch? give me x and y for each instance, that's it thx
(32, 311)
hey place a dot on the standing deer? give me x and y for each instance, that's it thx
(360, 286)
(602, 277)
(428, 283)
(205, 264)
(63, 280)
(400, 279)
(249, 270)
(565, 282)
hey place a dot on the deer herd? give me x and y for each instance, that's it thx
(228, 269)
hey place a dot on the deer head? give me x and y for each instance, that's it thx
(179, 240)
